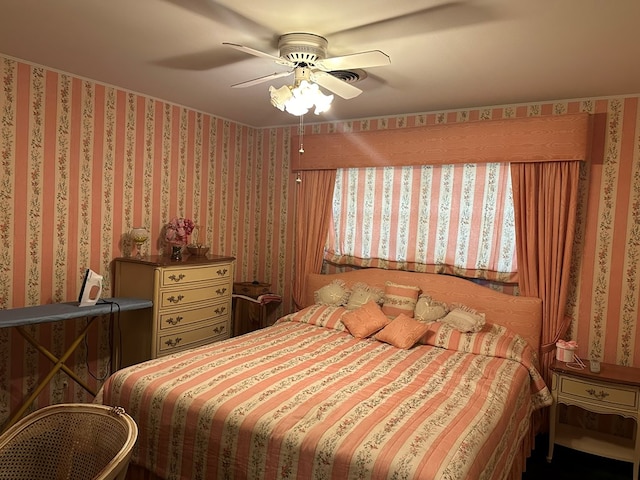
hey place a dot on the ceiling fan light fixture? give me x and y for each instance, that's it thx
(323, 103)
(280, 96)
(300, 99)
(306, 55)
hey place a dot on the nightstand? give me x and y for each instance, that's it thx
(613, 391)
(251, 302)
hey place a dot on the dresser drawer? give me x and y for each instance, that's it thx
(616, 396)
(186, 296)
(197, 335)
(182, 317)
(186, 276)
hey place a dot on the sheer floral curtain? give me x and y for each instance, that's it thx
(455, 219)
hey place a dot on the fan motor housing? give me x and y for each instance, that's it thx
(302, 48)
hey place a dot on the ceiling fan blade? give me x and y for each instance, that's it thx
(200, 61)
(258, 53)
(227, 16)
(258, 80)
(373, 58)
(335, 85)
(439, 17)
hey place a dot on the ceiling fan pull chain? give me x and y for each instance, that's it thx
(301, 149)
(301, 132)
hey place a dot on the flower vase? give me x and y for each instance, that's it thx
(176, 252)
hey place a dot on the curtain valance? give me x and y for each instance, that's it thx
(517, 140)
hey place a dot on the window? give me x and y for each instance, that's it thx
(455, 219)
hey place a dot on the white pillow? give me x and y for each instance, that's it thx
(335, 293)
(464, 318)
(362, 293)
(429, 310)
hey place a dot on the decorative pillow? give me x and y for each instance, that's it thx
(335, 293)
(365, 321)
(362, 293)
(328, 316)
(399, 299)
(464, 318)
(403, 332)
(429, 310)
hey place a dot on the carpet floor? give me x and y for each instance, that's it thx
(568, 464)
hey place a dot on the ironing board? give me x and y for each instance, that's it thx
(19, 318)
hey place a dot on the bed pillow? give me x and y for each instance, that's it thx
(335, 293)
(399, 299)
(328, 316)
(464, 319)
(365, 321)
(361, 293)
(403, 332)
(429, 310)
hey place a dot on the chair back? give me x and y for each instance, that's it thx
(72, 441)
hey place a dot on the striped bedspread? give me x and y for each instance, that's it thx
(304, 399)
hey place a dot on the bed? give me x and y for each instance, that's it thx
(306, 399)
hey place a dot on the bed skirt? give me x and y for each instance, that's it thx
(136, 472)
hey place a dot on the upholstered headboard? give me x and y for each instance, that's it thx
(523, 315)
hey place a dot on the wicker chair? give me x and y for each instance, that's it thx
(72, 441)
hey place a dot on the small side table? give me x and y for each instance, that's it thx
(613, 391)
(251, 301)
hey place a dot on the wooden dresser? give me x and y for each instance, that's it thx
(191, 305)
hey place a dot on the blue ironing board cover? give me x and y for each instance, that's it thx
(53, 312)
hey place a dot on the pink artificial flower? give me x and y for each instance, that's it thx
(178, 230)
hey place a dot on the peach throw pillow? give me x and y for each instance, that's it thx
(365, 321)
(403, 332)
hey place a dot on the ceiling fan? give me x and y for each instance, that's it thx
(306, 56)
(439, 15)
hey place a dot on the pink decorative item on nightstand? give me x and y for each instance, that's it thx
(565, 350)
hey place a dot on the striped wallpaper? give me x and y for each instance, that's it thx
(82, 163)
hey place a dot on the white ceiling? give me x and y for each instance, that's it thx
(444, 55)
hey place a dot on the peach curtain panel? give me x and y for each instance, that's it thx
(313, 215)
(455, 219)
(546, 199)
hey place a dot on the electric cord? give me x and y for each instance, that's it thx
(110, 339)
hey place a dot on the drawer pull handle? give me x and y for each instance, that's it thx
(221, 291)
(601, 395)
(171, 321)
(219, 329)
(173, 343)
(176, 278)
(222, 272)
(173, 299)
(220, 310)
